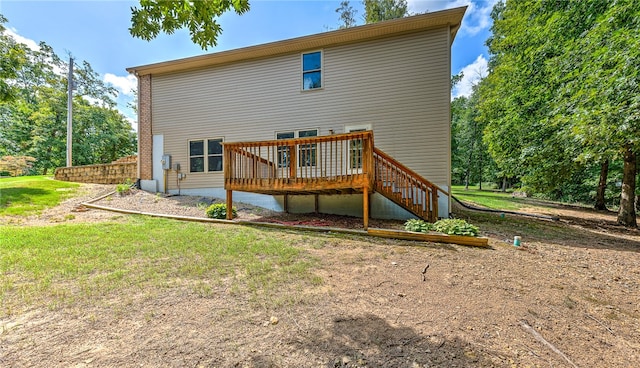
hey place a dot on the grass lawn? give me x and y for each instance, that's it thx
(27, 195)
(57, 266)
(488, 198)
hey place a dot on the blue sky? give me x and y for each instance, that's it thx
(97, 31)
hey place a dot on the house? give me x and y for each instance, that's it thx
(353, 121)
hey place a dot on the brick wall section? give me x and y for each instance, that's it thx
(145, 134)
(114, 173)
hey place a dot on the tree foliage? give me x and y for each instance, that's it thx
(470, 160)
(33, 123)
(381, 10)
(199, 17)
(347, 15)
(12, 58)
(562, 97)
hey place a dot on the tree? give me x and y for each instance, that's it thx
(199, 17)
(381, 10)
(347, 14)
(12, 58)
(33, 123)
(601, 93)
(561, 101)
(471, 162)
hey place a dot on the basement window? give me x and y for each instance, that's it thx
(312, 70)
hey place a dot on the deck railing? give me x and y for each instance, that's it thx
(405, 187)
(342, 162)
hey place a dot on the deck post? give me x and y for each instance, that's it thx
(316, 206)
(434, 204)
(293, 164)
(286, 203)
(365, 207)
(229, 205)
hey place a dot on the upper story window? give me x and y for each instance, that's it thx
(212, 160)
(312, 70)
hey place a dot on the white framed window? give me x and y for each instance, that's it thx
(205, 155)
(355, 145)
(312, 70)
(307, 153)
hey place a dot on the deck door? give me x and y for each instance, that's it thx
(354, 158)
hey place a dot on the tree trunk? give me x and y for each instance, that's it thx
(480, 186)
(504, 184)
(602, 186)
(627, 213)
(466, 181)
(468, 169)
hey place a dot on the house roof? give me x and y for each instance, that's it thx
(450, 17)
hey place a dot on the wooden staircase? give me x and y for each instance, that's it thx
(405, 187)
(335, 164)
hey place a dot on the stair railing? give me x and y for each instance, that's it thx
(405, 187)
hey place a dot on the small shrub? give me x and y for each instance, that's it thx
(455, 227)
(417, 225)
(446, 226)
(124, 188)
(219, 211)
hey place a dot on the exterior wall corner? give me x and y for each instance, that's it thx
(145, 137)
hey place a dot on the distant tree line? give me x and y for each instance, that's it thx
(559, 113)
(33, 111)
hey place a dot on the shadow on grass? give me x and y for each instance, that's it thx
(569, 231)
(20, 195)
(368, 340)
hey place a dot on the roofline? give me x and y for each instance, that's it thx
(449, 17)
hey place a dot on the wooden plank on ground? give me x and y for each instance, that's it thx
(431, 237)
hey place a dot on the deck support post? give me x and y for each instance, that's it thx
(286, 203)
(365, 207)
(229, 204)
(316, 206)
(434, 204)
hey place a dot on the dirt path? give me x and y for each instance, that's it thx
(576, 283)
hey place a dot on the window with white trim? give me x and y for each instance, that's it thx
(356, 145)
(205, 155)
(307, 153)
(312, 70)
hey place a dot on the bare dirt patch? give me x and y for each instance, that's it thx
(576, 282)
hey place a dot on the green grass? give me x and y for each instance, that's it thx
(65, 265)
(27, 195)
(488, 198)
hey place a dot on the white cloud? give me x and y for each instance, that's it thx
(476, 18)
(93, 101)
(126, 85)
(33, 45)
(133, 122)
(473, 73)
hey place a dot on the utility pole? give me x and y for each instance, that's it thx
(70, 112)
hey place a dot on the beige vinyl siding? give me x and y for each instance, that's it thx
(399, 85)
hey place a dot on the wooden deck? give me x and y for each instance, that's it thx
(334, 164)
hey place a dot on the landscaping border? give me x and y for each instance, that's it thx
(380, 233)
